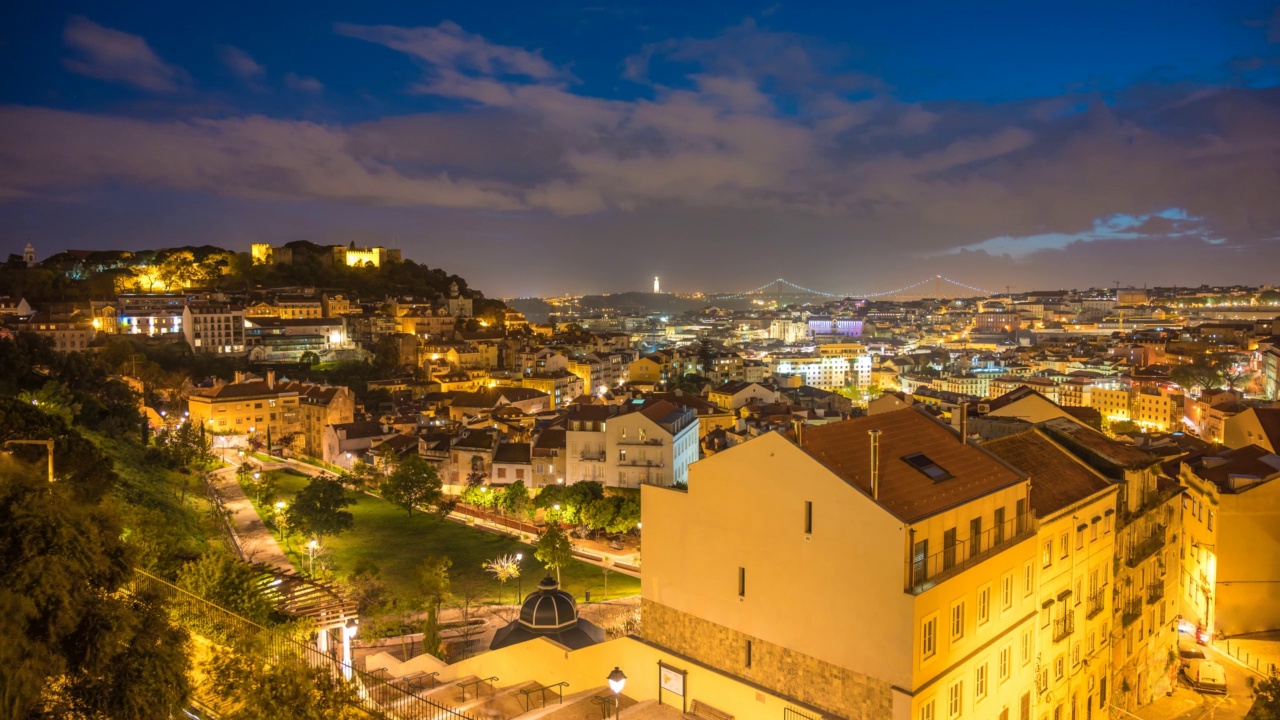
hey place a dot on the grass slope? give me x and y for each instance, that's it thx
(386, 536)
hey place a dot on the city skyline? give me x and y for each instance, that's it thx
(717, 147)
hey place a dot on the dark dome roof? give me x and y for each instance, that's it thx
(548, 609)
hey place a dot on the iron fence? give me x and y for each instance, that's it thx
(790, 713)
(380, 697)
(925, 569)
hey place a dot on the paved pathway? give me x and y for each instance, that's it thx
(256, 540)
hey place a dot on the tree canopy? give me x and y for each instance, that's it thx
(317, 509)
(414, 483)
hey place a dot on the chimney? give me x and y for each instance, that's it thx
(271, 379)
(964, 423)
(875, 463)
(239, 377)
(799, 428)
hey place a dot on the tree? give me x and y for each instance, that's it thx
(229, 583)
(626, 516)
(598, 514)
(554, 549)
(76, 644)
(386, 354)
(1204, 372)
(503, 568)
(318, 509)
(1266, 701)
(515, 499)
(309, 358)
(414, 483)
(253, 687)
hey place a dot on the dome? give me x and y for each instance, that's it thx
(548, 609)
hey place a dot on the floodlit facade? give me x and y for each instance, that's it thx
(907, 591)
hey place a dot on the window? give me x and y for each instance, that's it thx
(1006, 591)
(1064, 545)
(742, 582)
(954, 698)
(1080, 537)
(1046, 554)
(975, 536)
(957, 621)
(1211, 514)
(622, 455)
(748, 659)
(808, 517)
(1024, 710)
(948, 549)
(997, 529)
(928, 637)
(980, 683)
(984, 604)
(1005, 660)
(932, 470)
(1093, 529)
(1045, 613)
(1075, 654)
(926, 710)
(1028, 579)
(1059, 667)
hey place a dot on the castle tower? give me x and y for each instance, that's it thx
(29, 255)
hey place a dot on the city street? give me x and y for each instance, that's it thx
(1187, 704)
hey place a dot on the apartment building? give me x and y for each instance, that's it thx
(214, 329)
(650, 443)
(68, 332)
(1144, 617)
(549, 457)
(770, 581)
(1230, 557)
(249, 405)
(561, 386)
(1075, 511)
(320, 406)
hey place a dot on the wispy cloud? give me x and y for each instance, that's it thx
(449, 46)
(294, 81)
(1169, 223)
(115, 56)
(240, 62)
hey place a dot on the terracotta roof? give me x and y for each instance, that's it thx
(549, 439)
(1058, 480)
(1269, 419)
(253, 388)
(1101, 452)
(908, 493)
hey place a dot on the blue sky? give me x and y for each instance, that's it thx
(718, 144)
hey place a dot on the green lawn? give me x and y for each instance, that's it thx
(384, 534)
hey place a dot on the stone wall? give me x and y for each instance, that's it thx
(841, 692)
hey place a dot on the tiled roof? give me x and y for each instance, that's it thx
(1058, 480)
(512, 452)
(549, 439)
(1106, 455)
(908, 493)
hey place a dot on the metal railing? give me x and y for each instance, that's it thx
(1097, 601)
(1155, 592)
(790, 713)
(1064, 626)
(1132, 610)
(1146, 548)
(476, 685)
(376, 696)
(526, 700)
(925, 572)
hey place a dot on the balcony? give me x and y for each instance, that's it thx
(641, 463)
(924, 572)
(1155, 592)
(1097, 601)
(1064, 626)
(1146, 548)
(1132, 611)
(593, 456)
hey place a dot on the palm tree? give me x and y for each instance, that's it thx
(504, 568)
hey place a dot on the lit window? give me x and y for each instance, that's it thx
(957, 621)
(928, 637)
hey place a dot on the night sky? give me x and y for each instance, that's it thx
(539, 148)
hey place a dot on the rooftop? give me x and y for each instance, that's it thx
(1058, 480)
(906, 490)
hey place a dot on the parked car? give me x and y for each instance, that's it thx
(1188, 652)
(1207, 676)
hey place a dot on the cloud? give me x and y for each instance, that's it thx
(116, 56)
(240, 62)
(253, 158)
(449, 46)
(306, 84)
(1169, 223)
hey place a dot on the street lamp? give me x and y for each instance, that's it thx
(48, 445)
(311, 555)
(519, 591)
(617, 681)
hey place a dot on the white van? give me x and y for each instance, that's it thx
(1207, 676)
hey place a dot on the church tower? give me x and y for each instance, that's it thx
(29, 255)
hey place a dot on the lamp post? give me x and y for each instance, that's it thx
(617, 681)
(519, 591)
(311, 555)
(48, 445)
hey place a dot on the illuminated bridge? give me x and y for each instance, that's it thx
(933, 286)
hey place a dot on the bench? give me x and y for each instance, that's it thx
(699, 709)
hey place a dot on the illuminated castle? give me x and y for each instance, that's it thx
(351, 256)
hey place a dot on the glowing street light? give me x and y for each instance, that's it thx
(617, 681)
(312, 547)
